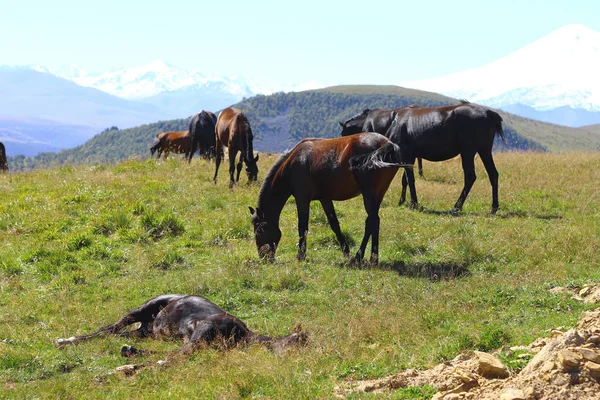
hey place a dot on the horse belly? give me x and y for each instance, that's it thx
(337, 187)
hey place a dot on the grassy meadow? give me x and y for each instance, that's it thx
(81, 246)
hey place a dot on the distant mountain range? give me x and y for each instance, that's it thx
(554, 79)
(280, 120)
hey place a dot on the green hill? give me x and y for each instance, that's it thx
(592, 128)
(282, 119)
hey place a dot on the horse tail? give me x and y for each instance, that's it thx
(387, 156)
(497, 120)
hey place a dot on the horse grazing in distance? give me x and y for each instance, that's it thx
(376, 120)
(195, 319)
(177, 142)
(233, 130)
(202, 132)
(326, 170)
(3, 161)
(441, 133)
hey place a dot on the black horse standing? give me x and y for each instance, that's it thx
(3, 161)
(376, 120)
(202, 131)
(441, 133)
(437, 134)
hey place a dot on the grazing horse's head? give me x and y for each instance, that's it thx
(354, 124)
(252, 168)
(266, 234)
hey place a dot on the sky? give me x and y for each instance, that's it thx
(329, 42)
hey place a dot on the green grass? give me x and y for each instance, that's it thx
(80, 246)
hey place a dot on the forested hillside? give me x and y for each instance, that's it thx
(282, 119)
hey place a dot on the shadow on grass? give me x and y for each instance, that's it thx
(429, 270)
(501, 214)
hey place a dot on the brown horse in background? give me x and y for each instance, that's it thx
(177, 142)
(233, 130)
(326, 170)
(3, 161)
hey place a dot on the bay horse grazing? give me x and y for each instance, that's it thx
(376, 120)
(441, 133)
(3, 161)
(202, 132)
(194, 319)
(177, 142)
(326, 170)
(233, 130)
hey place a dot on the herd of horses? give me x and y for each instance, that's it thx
(364, 160)
(371, 148)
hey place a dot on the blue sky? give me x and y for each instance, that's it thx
(368, 42)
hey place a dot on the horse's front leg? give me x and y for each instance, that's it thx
(468, 164)
(410, 178)
(420, 162)
(239, 167)
(335, 225)
(404, 186)
(303, 207)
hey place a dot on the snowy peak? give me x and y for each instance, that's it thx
(560, 69)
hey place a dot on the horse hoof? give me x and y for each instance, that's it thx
(455, 211)
(413, 206)
(494, 210)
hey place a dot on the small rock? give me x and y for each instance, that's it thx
(490, 367)
(594, 339)
(589, 355)
(513, 394)
(585, 291)
(547, 367)
(161, 362)
(593, 368)
(569, 359)
(524, 355)
(556, 333)
(128, 369)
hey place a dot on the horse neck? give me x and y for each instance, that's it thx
(274, 194)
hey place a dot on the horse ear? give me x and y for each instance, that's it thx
(256, 158)
(251, 210)
(341, 124)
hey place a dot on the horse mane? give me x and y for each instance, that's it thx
(362, 114)
(267, 185)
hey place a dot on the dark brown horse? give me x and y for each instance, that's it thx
(202, 132)
(376, 120)
(177, 142)
(326, 170)
(3, 161)
(194, 319)
(233, 130)
(441, 133)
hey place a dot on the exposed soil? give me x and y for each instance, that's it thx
(564, 366)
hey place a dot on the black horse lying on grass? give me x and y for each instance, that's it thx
(195, 319)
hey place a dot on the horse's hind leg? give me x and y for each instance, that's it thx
(335, 225)
(232, 155)
(420, 161)
(468, 164)
(144, 314)
(408, 179)
(490, 167)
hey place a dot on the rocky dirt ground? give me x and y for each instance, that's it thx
(564, 366)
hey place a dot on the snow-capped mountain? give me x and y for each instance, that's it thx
(150, 79)
(560, 69)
